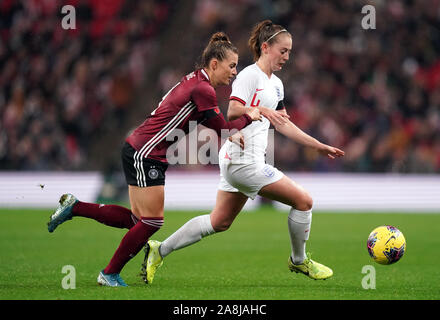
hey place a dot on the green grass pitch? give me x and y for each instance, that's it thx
(248, 262)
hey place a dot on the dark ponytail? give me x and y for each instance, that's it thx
(264, 31)
(217, 48)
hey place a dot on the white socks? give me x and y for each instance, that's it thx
(299, 223)
(191, 232)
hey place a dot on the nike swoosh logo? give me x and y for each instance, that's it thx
(259, 90)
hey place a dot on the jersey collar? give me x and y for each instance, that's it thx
(204, 73)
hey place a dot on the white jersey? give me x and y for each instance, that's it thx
(253, 88)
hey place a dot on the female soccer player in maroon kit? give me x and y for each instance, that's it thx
(144, 155)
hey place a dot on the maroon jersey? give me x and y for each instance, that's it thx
(187, 101)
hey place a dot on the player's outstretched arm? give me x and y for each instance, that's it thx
(236, 109)
(294, 133)
(217, 122)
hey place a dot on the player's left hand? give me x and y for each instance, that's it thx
(276, 118)
(238, 139)
(330, 151)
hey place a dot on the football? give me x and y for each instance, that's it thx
(386, 245)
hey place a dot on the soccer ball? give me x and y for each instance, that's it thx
(386, 244)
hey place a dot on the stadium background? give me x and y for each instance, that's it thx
(69, 97)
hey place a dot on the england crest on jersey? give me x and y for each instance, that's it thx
(278, 90)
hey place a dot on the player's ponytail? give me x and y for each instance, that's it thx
(265, 31)
(219, 36)
(217, 48)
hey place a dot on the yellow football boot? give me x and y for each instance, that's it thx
(152, 261)
(311, 268)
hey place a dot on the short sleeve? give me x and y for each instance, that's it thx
(279, 87)
(280, 105)
(243, 87)
(280, 95)
(204, 96)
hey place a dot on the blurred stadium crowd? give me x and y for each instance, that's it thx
(59, 88)
(373, 93)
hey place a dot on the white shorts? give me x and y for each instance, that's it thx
(247, 178)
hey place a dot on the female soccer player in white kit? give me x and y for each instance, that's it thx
(243, 171)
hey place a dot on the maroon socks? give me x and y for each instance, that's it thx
(108, 214)
(132, 243)
(116, 216)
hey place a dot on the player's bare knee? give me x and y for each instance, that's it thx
(305, 202)
(221, 226)
(145, 214)
(136, 212)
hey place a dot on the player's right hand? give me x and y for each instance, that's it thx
(254, 113)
